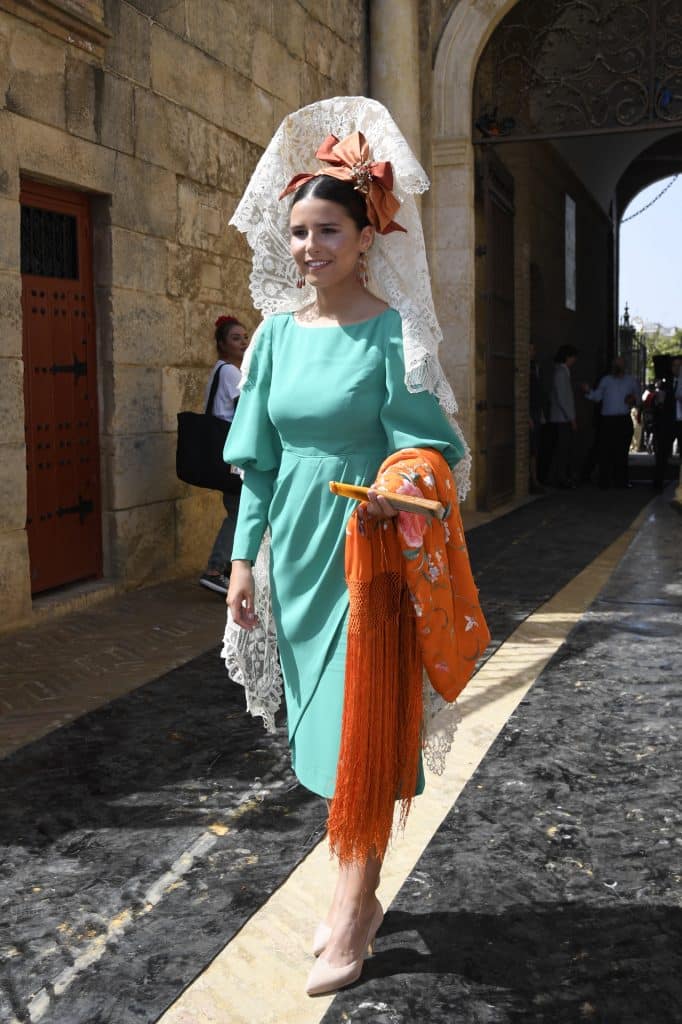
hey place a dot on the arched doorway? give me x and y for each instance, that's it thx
(502, 76)
(649, 195)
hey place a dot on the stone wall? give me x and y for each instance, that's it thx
(589, 327)
(162, 118)
(541, 182)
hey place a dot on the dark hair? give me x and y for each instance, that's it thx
(337, 191)
(565, 352)
(222, 328)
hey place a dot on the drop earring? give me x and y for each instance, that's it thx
(361, 269)
(300, 282)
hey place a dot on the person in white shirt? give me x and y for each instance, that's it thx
(617, 391)
(677, 375)
(231, 340)
(562, 418)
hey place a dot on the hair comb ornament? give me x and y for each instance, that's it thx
(350, 160)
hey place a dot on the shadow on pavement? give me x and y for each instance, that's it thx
(556, 962)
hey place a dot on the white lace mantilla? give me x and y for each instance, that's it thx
(397, 268)
(251, 656)
(441, 720)
(398, 273)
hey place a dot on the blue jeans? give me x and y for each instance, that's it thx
(221, 555)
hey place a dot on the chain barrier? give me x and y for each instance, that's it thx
(654, 200)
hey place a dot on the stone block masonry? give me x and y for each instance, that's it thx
(161, 120)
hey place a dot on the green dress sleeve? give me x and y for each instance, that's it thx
(414, 420)
(254, 445)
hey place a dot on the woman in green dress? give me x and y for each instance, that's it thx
(324, 398)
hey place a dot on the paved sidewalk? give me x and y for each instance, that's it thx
(57, 670)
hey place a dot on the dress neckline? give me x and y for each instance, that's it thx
(335, 327)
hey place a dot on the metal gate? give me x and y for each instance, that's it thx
(556, 68)
(498, 204)
(60, 387)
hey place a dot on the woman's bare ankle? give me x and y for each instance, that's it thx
(350, 929)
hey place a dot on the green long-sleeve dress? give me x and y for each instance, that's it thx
(319, 404)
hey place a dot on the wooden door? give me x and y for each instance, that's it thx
(60, 387)
(500, 440)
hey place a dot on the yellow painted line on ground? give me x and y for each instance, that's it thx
(258, 978)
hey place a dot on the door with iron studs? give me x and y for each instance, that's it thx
(63, 519)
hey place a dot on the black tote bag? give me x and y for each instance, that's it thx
(199, 452)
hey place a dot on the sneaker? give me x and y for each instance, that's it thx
(218, 583)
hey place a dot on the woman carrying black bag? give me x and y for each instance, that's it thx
(231, 340)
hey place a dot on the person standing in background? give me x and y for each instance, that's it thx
(677, 500)
(617, 391)
(664, 419)
(562, 418)
(231, 340)
(535, 421)
(677, 376)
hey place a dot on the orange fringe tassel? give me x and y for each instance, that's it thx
(382, 716)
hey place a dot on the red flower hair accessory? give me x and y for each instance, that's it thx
(350, 160)
(226, 320)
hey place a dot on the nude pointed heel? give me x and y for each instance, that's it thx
(323, 932)
(325, 978)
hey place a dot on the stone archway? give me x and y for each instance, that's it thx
(468, 29)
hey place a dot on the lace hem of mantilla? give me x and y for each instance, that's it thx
(251, 656)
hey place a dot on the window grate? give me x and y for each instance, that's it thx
(49, 243)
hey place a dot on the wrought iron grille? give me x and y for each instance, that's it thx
(575, 67)
(49, 243)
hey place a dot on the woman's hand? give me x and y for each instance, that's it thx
(378, 508)
(240, 595)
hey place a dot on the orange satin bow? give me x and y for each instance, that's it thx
(350, 160)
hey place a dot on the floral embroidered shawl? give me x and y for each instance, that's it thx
(413, 607)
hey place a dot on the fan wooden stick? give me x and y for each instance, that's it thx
(401, 502)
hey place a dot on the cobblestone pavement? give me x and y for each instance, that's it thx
(139, 838)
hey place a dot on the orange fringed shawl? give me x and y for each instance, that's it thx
(413, 606)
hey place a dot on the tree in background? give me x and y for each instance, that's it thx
(661, 342)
